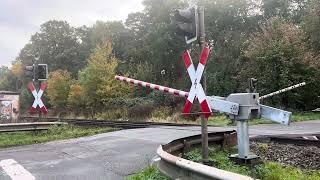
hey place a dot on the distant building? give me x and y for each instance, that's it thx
(9, 106)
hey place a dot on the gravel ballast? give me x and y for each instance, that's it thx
(304, 157)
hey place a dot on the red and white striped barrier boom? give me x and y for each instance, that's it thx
(153, 86)
(283, 90)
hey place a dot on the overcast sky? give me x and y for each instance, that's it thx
(19, 19)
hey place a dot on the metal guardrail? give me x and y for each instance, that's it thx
(179, 168)
(34, 126)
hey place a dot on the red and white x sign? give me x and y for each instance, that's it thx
(196, 89)
(37, 98)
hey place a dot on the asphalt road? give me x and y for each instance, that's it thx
(110, 156)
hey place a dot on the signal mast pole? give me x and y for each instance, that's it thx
(204, 120)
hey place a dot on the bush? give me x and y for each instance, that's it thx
(140, 107)
(113, 114)
(278, 57)
(161, 112)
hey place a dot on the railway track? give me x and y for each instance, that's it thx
(305, 139)
(33, 126)
(296, 139)
(105, 123)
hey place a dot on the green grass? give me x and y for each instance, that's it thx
(54, 133)
(297, 117)
(276, 171)
(222, 120)
(219, 120)
(265, 171)
(219, 158)
(150, 173)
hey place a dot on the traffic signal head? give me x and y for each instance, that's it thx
(37, 72)
(252, 85)
(187, 23)
(30, 71)
(42, 72)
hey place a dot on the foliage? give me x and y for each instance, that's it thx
(59, 45)
(26, 99)
(76, 98)
(275, 41)
(161, 112)
(113, 114)
(54, 133)
(59, 88)
(311, 25)
(228, 26)
(150, 173)
(97, 79)
(7, 80)
(113, 32)
(278, 57)
(17, 70)
(141, 108)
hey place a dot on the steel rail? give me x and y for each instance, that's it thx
(172, 165)
(297, 141)
(108, 123)
(35, 126)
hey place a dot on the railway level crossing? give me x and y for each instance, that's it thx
(241, 107)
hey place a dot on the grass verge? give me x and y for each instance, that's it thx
(54, 133)
(297, 117)
(150, 173)
(265, 171)
(222, 120)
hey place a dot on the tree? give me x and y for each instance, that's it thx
(110, 31)
(7, 79)
(59, 45)
(17, 70)
(228, 25)
(291, 10)
(311, 25)
(58, 89)
(97, 80)
(156, 43)
(278, 57)
(76, 99)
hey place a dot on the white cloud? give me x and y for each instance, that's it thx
(19, 19)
